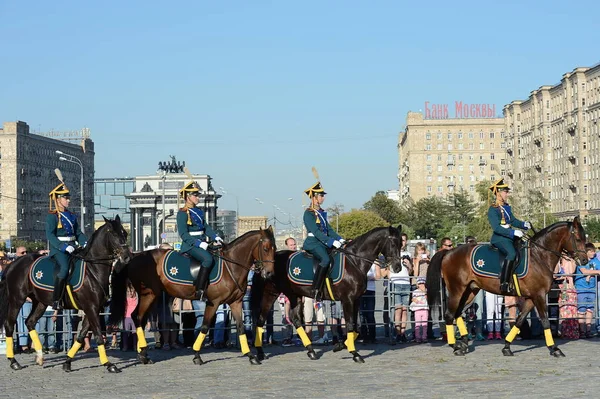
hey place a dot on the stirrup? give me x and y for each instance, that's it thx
(506, 289)
(56, 305)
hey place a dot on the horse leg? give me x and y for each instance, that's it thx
(37, 312)
(265, 307)
(351, 313)
(516, 329)
(463, 344)
(9, 329)
(209, 314)
(85, 327)
(449, 316)
(540, 305)
(94, 322)
(139, 320)
(236, 310)
(296, 308)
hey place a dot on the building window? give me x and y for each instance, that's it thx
(428, 157)
(460, 157)
(460, 135)
(460, 168)
(492, 134)
(471, 146)
(493, 177)
(450, 147)
(503, 145)
(481, 146)
(460, 146)
(428, 136)
(470, 135)
(427, 147)
(471, 188)
(439, 136)
(481, 135)
(428, 189)
(439, 157)
(492, 156)
(429, 178)
(449, 136)
(439, 146)
(439, 168)
(460, 178)
(440, 189)
(492, 146)
(429, 168)
(439, 178)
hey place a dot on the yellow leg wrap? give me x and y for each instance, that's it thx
(460, 323)
(37, 345)
(305, 340)
(10, 347)
(102, 354)
(258, 338)
(141, 339)
(350, 341)
(244, 344)
(74, 349)
(450, 334)
(198, 343)
(549, 339)
(514, 331)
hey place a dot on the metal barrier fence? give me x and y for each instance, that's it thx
(385, 315)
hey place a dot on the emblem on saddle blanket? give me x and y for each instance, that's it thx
(301, 268)
(177, 268)
(43, 270)
(486, 261)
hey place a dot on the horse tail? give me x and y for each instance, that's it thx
(118, 302)
(434, 278)
(3, 302)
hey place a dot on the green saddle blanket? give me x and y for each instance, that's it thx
(177, 268)
(44, 269)
(301, 268)
(486, 261)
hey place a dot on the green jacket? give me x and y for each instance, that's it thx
(69, 229)
(503, 229)
(189, 234)
(319, 229)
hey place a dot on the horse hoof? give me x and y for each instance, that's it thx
(254, 360)
(459, 352)
(67, 367)
(39, 360)
(357, 358)
(144, 359)
(338, 347)
(557, 353)
(312, 355)
(260, 356)
(112, 368)
(198, 360)
(507, 352)
(15, 365)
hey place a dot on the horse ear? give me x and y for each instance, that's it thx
(399, 228)
(117, 219)
(576, 220)
(105, 219)
(271, 228)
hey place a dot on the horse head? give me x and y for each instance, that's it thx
(392, 247)
(264, 253)
(114, 237)
(575, 243)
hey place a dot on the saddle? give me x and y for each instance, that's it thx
(44, 269)
(181, 268)
(487, 260)
(302, 266)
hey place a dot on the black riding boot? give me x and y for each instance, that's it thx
(202, 281)
(59, 289)
(318, 279)
(506, 276)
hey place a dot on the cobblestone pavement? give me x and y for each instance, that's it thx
(427, 370)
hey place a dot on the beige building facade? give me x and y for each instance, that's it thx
(553, 142)
(27, 163)
(439, 156)
(248, 223)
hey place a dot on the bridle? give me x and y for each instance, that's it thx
(563, 254)
(118, 250)
(388, 259)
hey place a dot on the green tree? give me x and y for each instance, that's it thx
(479, 227)
(334, 212)
(386, 208)
(429, 216)
(592, 229)
(357, 222)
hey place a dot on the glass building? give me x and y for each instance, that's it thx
(110, 199)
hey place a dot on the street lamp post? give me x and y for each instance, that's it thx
(76, 161)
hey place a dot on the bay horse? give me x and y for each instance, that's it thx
(360, 255)
(107, 244)
(546, 247)
(145, 271)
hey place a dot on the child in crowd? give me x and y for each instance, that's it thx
(129, 336)
(421, 311)
(585, 283)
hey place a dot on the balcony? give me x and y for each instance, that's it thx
(450, 162)
(482, 162)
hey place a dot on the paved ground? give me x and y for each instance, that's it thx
(429, 370)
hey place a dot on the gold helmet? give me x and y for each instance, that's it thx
(316, 188)
(499, 186)
(191, 187)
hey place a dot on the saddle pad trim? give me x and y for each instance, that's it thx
(218, 265)
(483, 273)
(74, 287)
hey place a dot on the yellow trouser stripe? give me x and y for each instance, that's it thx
(305, 340)
(244, 344)
(198, 343)
(450, 334)
(517, 288)
(549, 339)
(102, 353)
(350, 341)
(141, 339)
(461, 326)
(328, 284)
(74, 349)
(514, 331)
(37, 345)
(258, 338)
(71, 296)
(10, 347)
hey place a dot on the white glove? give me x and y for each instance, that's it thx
(342, 241)
(337, 244)
(204, 245)
(70, 249)
(519, 233)
(527, 225)
(219, 240)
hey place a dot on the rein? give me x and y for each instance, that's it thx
(563, 254)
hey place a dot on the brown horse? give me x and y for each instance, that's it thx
(106, 245)
(146, 274)
(454, 266)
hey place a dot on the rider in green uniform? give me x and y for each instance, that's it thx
(320, 236)
(193, 230)
(503, 222)
(64, 236)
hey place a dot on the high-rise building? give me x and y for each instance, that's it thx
(438, 156)
(227, 222)
(553, 142)
(27, 163)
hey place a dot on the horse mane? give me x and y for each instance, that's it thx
(548, 229)
(247, 234)
(358, 241)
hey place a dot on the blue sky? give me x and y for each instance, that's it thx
(256, 93)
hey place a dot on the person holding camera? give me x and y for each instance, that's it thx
(421, 260)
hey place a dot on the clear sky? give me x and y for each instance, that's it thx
(254, 93)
